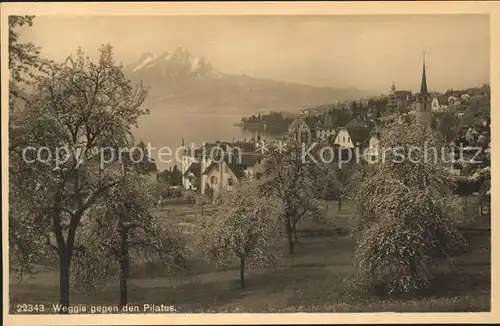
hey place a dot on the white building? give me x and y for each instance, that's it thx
(351, 137)
(452, 100)
(438, 107)
(192, 176)
(223, 175)
(187, 161)
(343, 139)
(220, 176)
(435, 107)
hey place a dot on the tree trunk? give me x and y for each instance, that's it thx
(326, 200)
(288, 229)
(63, 282)
(294, 229)
(413, 269)
(242, 273)
(124, 268)
(340, 202)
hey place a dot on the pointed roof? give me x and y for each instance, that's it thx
(355, 123)
(393, 88)
(358, 135)
(423, 84)
(373, 133)
(194, 168)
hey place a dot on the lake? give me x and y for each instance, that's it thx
(165, 129)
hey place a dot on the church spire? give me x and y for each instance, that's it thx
(260, 126)
(423, 85)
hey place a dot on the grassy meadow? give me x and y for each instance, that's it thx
(314, 279)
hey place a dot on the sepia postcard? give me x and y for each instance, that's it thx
(270, 163)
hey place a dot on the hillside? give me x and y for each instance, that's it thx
(181, 82)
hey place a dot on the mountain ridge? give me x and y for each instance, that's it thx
(179, 80)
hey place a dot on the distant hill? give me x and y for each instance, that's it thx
(181, 82)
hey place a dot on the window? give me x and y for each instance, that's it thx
(213, 180)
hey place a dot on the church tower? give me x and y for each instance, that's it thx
(424, 100)
(392, 103)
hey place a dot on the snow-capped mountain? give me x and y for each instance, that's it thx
(174, 64)
(179, 80)
(142, 62)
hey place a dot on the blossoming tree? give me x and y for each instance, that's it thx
(406, 213)
(245, 228)
(55, 166)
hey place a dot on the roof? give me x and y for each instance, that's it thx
(222, 145)
(209, 148)
(245, 147)
(358, 135)
(372, 134)
(355, 123)
(250, 159)
(235, 168)
(195, 169)
(442, 99)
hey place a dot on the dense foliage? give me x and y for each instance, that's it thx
(76, 112)
(245, 228)
(406, 214)
(292, 178)
(121, 227)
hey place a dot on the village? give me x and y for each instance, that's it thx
(469, 127)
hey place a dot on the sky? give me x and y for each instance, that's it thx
(367, 52)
